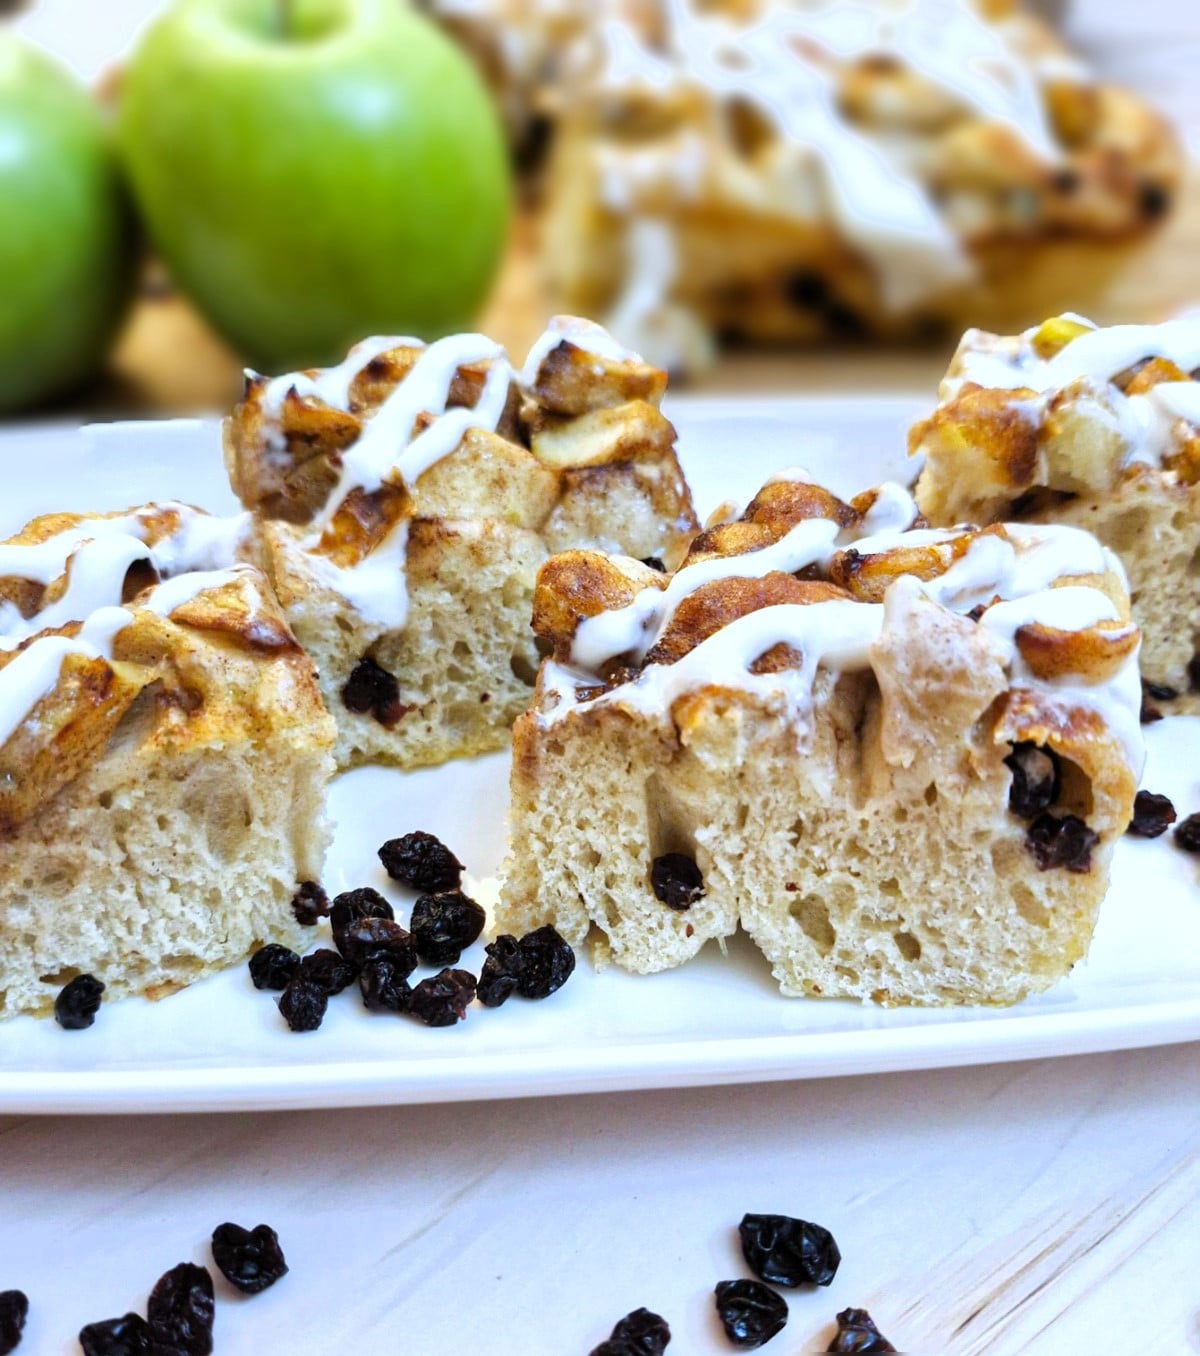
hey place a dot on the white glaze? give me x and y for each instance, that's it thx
(582, 334)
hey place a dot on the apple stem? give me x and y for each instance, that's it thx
(283, 13)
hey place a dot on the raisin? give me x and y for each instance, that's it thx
(787, 1251)
(250, 1259)
(806, 291)
(1187, 834)
(366, 937)
(843, 320)
(1066, 842)
(422, 861)
(444, 925)
(371, 690)
(273, 967)
(310, 903)
(78, 1002)
(14, 1310)
(641, 1333)
(1152, 815)
(303, 1004)
(384, 984)
(857, 1332)
(750, 1312)
(1160, 692)
(328, 971)
(1065, 181)
(128, 1336)
(547, 962)
(1036, 780)
(352, 904)
(180, 1310)
(1153, 201)
(655, 563)
(442, 1000)
(1193, 667)
(676, 880)
(1148, 714)
(501, 971)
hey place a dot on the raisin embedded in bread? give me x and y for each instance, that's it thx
(163, 755)
(898, 757)
(405, 500)
(1098, 428)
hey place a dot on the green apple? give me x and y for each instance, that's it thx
(313, 171)
(65, 240)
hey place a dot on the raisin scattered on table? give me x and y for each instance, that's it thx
(676, 880)
(422, 861)
(250, 1259)
(310, 903)
(787, 1251)
(857, 1332)
(547, 962)
(273, 967)
(1152, 815)
(1187, 834)
(442, 1000)
(180, 1310)
(78, 1002)
(1066, 842)
(365, 937)
(328, 971)
(361, 903)
(501, 971)
(373, 691)
(1036, 779)
(128, 1336)
(384, 984)
(750, 1312)
(302, 1004)
(14, 1310)
(641, 1333)
(444, 925)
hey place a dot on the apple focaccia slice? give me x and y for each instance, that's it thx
(1099, 428)
(899, 758)
(405, 500)
(163, 755)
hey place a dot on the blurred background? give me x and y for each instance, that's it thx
(766, 195)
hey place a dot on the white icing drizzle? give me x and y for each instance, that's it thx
(96, 555)
(1149, 424)
(1021, 571)
(582, 334)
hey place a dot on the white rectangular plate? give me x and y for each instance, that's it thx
(221, 1045)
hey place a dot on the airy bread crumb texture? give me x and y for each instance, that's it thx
(859, 873)
(156, 868)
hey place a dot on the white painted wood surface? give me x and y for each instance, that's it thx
(1050, 1207)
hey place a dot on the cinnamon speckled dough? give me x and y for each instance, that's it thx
(849, 812)
(158, 807)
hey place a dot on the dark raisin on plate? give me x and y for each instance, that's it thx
(180, 1311)
(14, 1310)
(1065, 842)
(361, 903)
(383, 982)
(128, 1336)
(365, 937)
(676, 880)
(273, 967)
(1153, 815)
(422, 861)
(444, 925)
(78, 1002)
(501, 971)
(1036, 779)
(857, 1332)
(328, 970)
(787, 1251)
(442, 1000)
(1187, 834)
(302, 1004)
(547, 962)
(751, 1313)
(310, 903)
(249, 1259)
(640, 1333)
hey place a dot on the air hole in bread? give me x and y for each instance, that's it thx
(907, 945)
(1031, 909)
(61, 977)
(1075, 792)
(813, 916)
(522, 670)
(931, 794)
